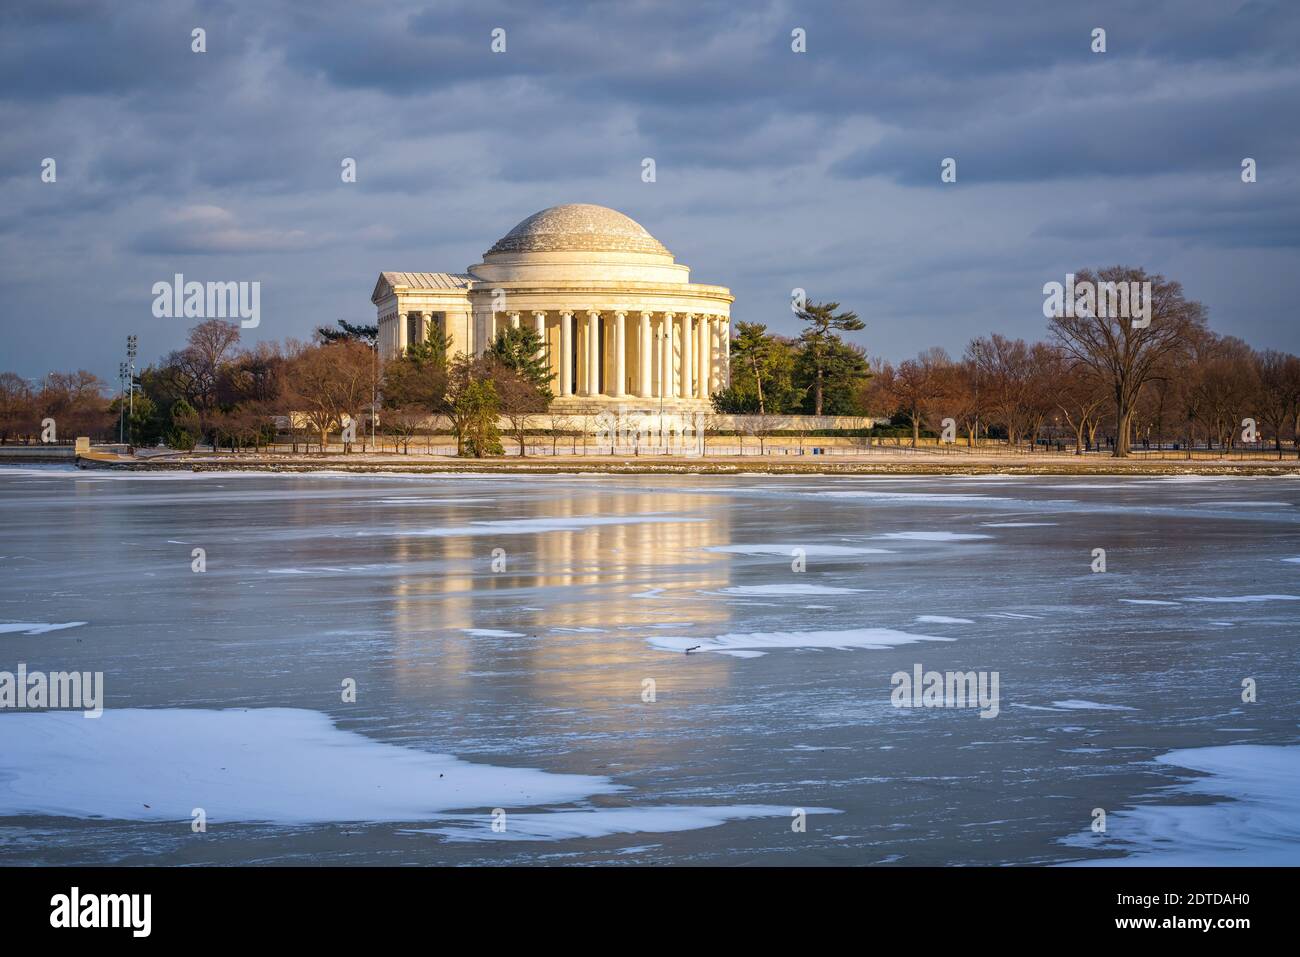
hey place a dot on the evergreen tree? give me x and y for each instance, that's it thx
(823, 350)
(520, 349)
(366, 335)
(479, 405)
(844, 371)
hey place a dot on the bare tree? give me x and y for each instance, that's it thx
(1278, 400)
(195, 371)
(1080, 393)
(329, 385)
(563, 425)
(1122, 350)
(917, 386)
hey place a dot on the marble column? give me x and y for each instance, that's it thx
(514, 320)
(724, 332)
(566, 353)
(620, 354)
(593, 352)
(688, 361)
(539, 326)
(706, 357)
(666, 358)
(645, 364)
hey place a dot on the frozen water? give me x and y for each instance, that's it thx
(526, 686)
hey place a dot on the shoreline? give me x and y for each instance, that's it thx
(623, 465)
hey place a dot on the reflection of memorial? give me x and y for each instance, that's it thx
(425, 604)
(573, 576)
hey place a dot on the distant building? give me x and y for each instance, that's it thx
(621, 322)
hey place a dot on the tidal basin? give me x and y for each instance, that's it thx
(653, 669)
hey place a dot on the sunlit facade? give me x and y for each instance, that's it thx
(621, 324)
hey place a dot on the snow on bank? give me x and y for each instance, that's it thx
(280, 765)
(1258, 826)
(753, 644)
(601, 822)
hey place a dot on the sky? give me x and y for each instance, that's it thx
(775, 169)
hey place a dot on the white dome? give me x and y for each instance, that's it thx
(579, 227)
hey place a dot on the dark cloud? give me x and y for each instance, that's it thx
(774, 169)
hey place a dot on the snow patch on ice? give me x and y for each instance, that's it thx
(788, 589)
(36, 627)
(1242, 504)
(539, 526)
(752, 644)
(281, 765)
(1075, 704)
(491, 633)
(812, 551)
(942, 620)
(1258, 826)
(601, 822)
(934, 536)
(935, 497)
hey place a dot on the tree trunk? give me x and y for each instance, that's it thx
(1123, 429)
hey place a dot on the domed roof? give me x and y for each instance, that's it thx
(579, 227)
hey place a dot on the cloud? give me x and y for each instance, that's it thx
(774, 169)
(211, 229)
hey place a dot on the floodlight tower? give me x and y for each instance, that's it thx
(121, 407)
(131, 352)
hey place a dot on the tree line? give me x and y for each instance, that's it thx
(216, 392)
(1104, 381)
